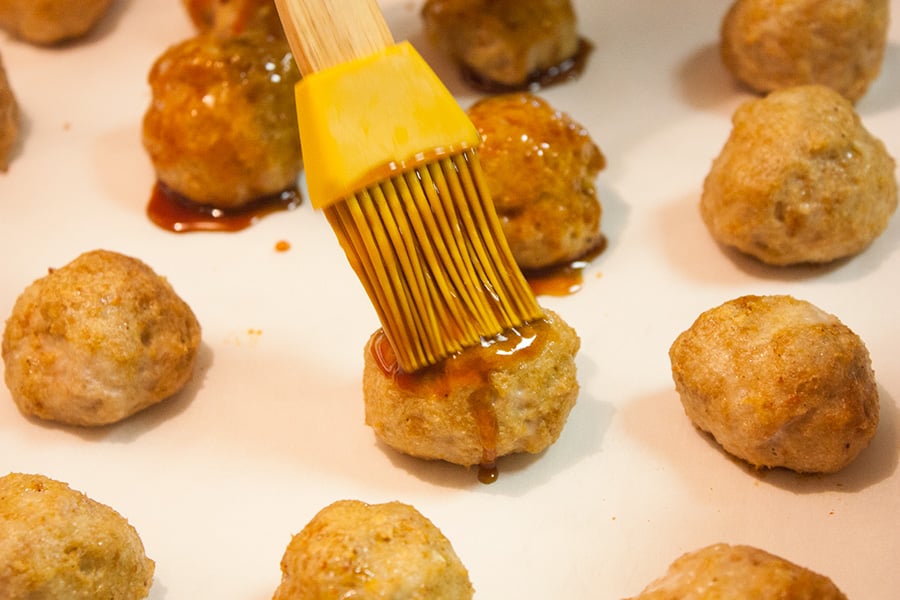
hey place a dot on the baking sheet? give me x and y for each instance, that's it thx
(270, 430)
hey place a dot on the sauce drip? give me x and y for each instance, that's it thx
(568, 69)
(564, 279)
(173, 212)
(470, 368)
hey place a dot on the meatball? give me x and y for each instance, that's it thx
(773, 44)
(778, 383)
(540, 167)
(799, 180)
(55, 542)
(505, 44)
(726, 572)
(233, 17)
(353, 549)
(511, 395)
(221, 128)
(48, 22)
(98, 340)
(9, 120)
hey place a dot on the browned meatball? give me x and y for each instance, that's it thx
(9, 120)
(97, 340)
(51, 21)
(773, 44)
(233, 17)
(56, 542)
(221, 128)
(351, 549)
(512, 395)
(540, 167)
(799, 180)
(724, 572)
(504, 43)
(778, 383)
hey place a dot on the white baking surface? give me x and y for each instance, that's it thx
(271, 430)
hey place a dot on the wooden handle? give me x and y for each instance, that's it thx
(325, 33)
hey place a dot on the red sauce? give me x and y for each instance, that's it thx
(173, 212)
(570, 68)
(470, 368)
(282, 246)
(564, 279)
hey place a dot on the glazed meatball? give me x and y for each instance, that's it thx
(98, 340)
(9, 120)
(799, 180)
(221, 128)
(233, 17)
(724, 572)
(56, 542)
(48, 22)
(351, 549)
(778, 383)
(773, 44)
(540, 167)
(505, 44)
(512, 395)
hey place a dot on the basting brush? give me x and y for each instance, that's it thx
(390, 158)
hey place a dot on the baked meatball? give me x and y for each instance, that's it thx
(724, 572)
(511, 395)
(55, 542)
(233, 17)
(778, 383)
(351, 549)
(48, 22)
(9, 120)
(799, 180)
(98, 340)
(221, 128)
(773, 44)
(540, 167)
(505, 44)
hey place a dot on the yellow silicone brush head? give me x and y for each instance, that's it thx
(390, 158)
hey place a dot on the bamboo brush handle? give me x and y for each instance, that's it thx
(326, 33)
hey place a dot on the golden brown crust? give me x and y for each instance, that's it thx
(355, 550)
(56, 542)
(799, 180)
(48, 22)
(480, 404)
(97, 340)
(778, 383)
(503, 41)
(771, 44)
(9, 120)
(540, 166)
(724, 572)
(234, 17)
(221, 129)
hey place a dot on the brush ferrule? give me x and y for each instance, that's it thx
(365, 120)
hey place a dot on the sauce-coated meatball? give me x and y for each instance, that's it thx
(504, 43)
(540, 167)
(508, 396)
(221, 128)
